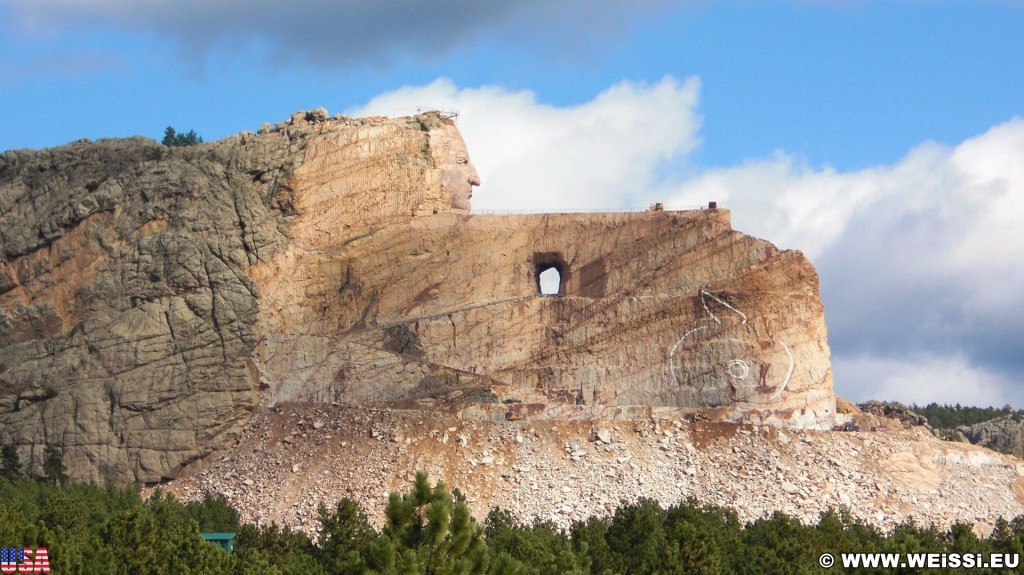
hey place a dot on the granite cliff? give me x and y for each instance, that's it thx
(151, 298)
(1004, 434)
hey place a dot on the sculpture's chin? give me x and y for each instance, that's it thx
(460, 203)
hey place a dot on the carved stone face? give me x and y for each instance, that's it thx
(458, 175)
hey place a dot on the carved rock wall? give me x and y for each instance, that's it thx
(667, 309)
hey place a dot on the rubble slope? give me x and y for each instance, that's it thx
(297, 456)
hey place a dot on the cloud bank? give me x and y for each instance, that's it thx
(919, 260)
(339, 32)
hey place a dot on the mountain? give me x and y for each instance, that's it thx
(152, 297)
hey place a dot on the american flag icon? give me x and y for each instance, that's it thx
(24, 560)
(12, 555)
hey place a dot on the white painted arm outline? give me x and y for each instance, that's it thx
(704, 292)
(792, 364)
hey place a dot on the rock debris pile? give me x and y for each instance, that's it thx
(295, 457)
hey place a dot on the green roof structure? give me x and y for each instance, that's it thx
(225, 541)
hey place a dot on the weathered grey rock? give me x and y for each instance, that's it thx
(125, 316)
(894, 410)
(317, 115)
(1005, 434)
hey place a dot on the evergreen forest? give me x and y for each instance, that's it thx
(953, 416)
(90, 529)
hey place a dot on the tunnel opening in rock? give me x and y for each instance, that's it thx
(550, 273)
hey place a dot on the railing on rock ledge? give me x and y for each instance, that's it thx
(449, 113)
(584, 210)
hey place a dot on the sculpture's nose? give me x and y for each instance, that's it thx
(474, 178)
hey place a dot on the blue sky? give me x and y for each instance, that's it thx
(884, 139)
(845, 84)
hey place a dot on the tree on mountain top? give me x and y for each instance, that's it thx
(172, 138)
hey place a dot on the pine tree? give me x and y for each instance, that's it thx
(432, 533)
(542, 546)
(172, 138)
(284, 550)
(213, 514)
(637, 538)
(346, 536)
(10, 463)
(53, 465)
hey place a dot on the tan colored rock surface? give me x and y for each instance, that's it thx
(150, 297)
(670, 309)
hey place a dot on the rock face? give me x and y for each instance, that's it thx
(1005, 434)
(150, 297)
(654, 309)
(125, 316)
(896, 411)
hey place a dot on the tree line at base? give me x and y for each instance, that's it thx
(92, 529)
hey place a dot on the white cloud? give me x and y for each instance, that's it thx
(992, 241)
(798, 207)
(957, 207)
(922, 380)
(920, 256)
(530, 155)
